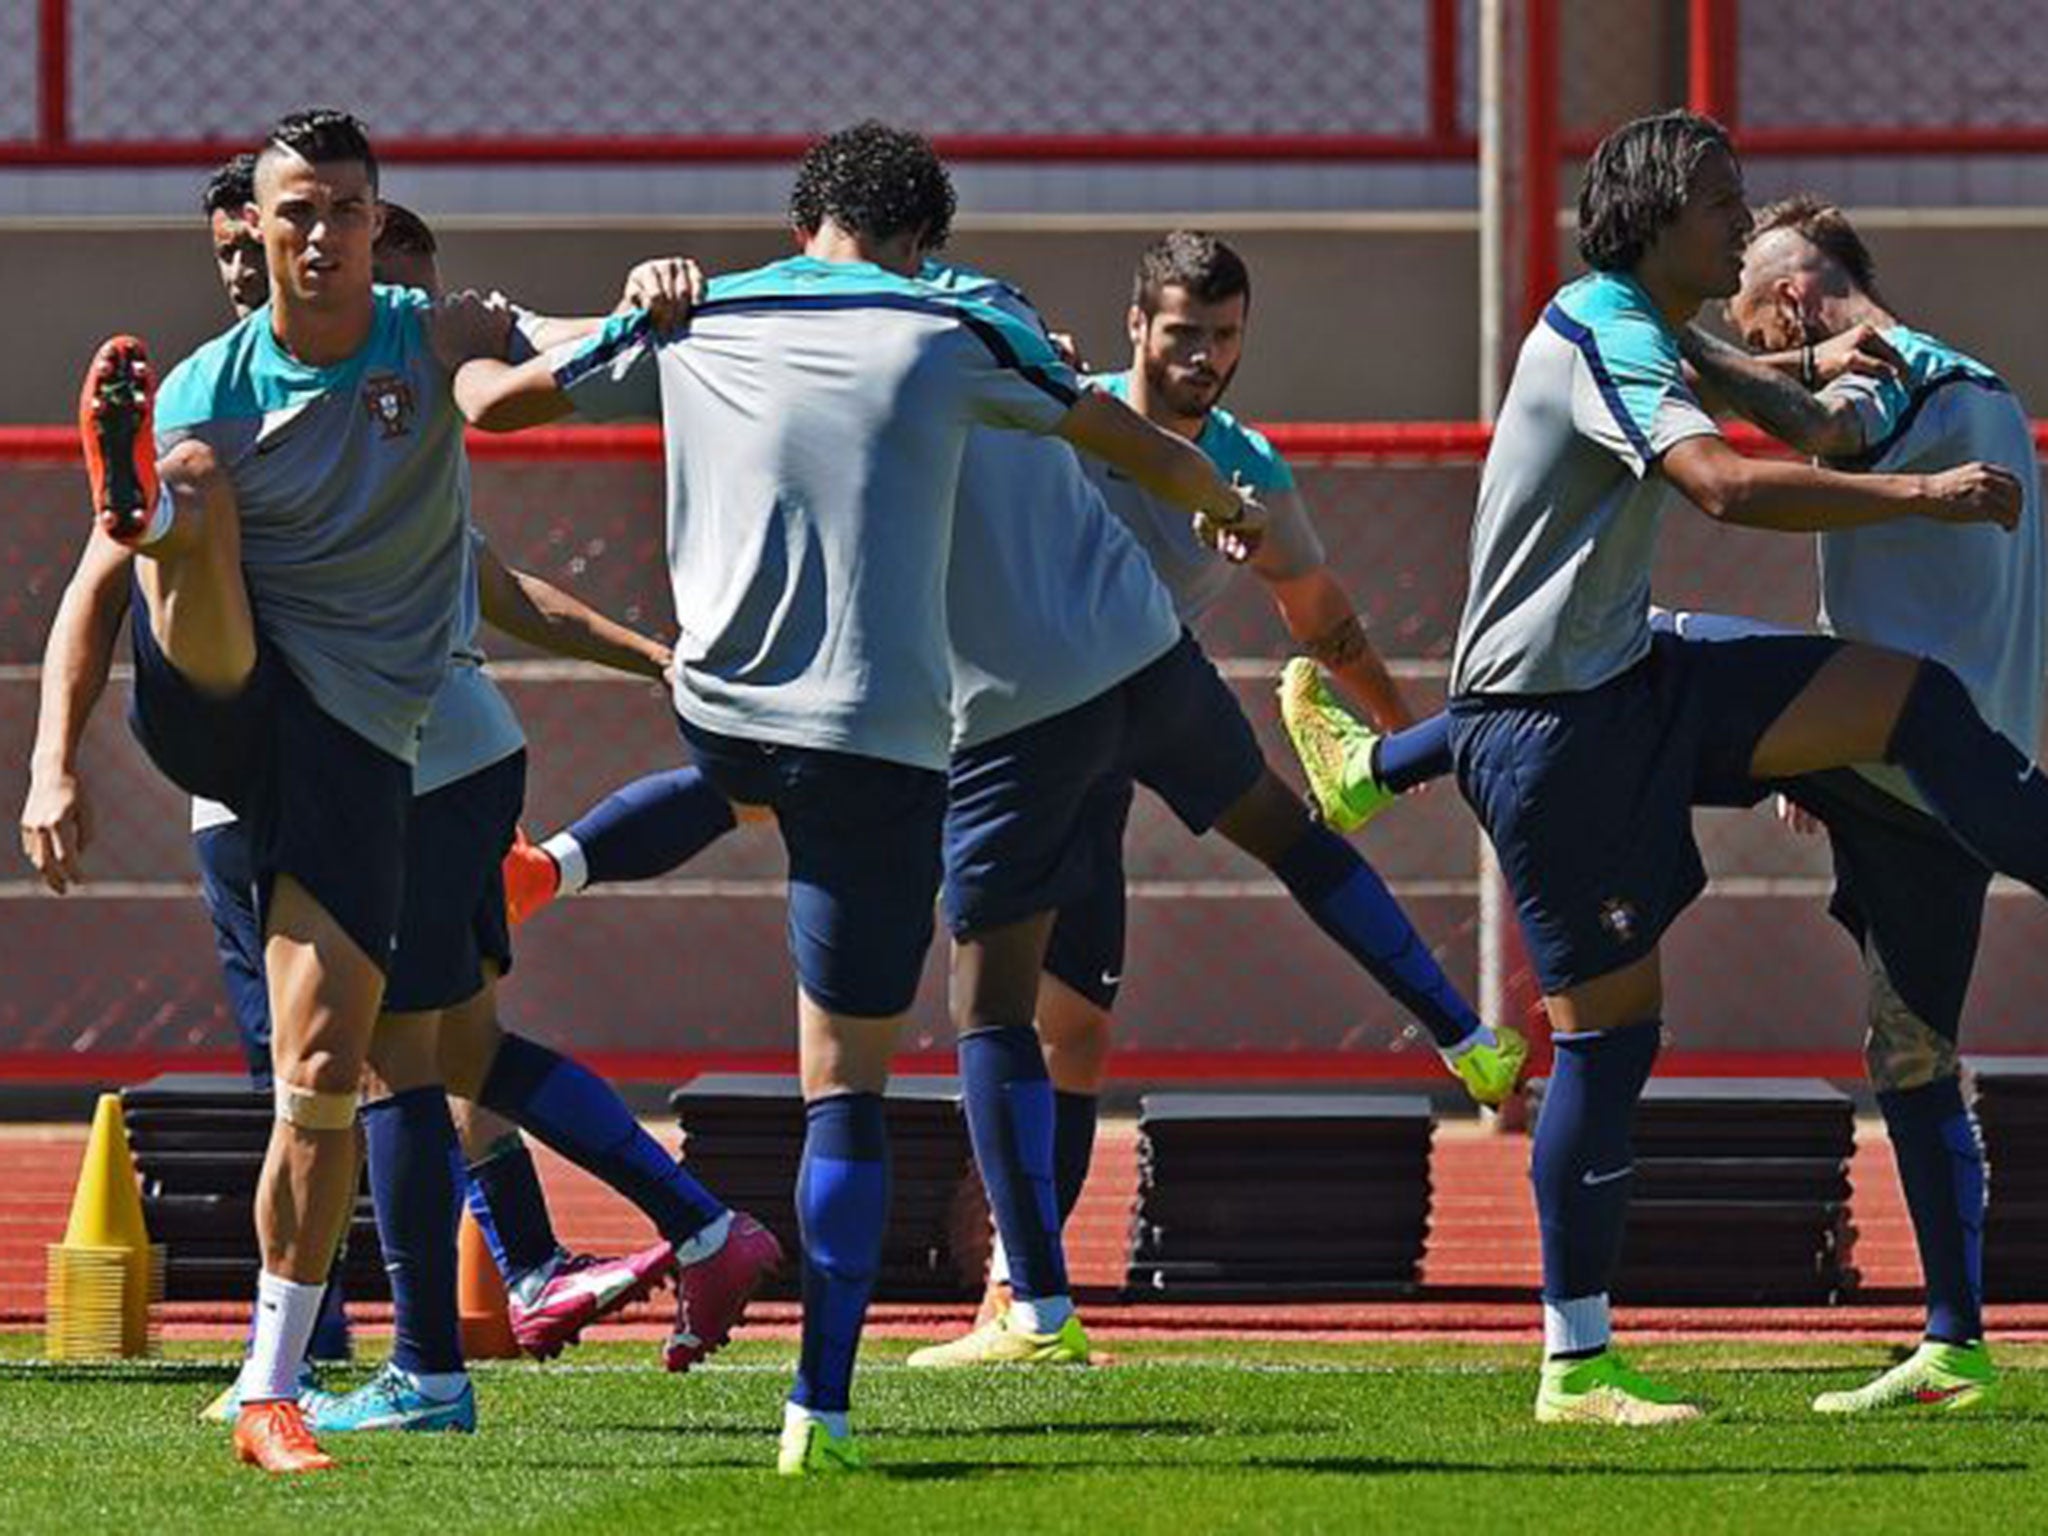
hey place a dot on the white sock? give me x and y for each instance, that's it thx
(285, 1314)
(835, 1424)
(998, 1262)
(1576, 1327)
(1041, 1314)
(1483, 1035)
(569, 862)
(161, 516)
(438, 1386)
(706, 1242)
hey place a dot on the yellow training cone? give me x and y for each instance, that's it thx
(106, 1209)
(104, 1277)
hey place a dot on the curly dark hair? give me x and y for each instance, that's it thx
(1637, 182)
(874, 181)
(1193, 259)
(231, 186)
(321, 136)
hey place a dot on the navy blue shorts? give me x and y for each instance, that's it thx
(1086, 950)
(1018, 838)
(862, 836)
(1911, 896)
(1588, 797)
(320, 803)
(227, 879)
(453, 919)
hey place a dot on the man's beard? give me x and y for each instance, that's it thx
(1186, 401)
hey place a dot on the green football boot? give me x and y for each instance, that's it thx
(1602, 1389)
(1940, 1377)
(999, 1341)
(1335, 750)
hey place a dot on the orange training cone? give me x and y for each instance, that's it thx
(480, 1298)
(105, 1274)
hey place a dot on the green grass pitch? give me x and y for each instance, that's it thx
(1176, 1439)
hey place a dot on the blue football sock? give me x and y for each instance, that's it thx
(1981, 786)
(842, 1209)
(1009, 1103)
(1073, 1146)
(505, 1198)
(1350, 903)
(1404, 759)
(412, 1159)
(1941, 1166)
(576, 1112)
(1583, 1157)
(650, 826)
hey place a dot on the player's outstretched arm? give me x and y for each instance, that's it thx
(1799, 498)
(1825, 426)
(542, 614)
(497, 396)
(56, 818)
(1322, 621)
(668, 288)
(1103, 427)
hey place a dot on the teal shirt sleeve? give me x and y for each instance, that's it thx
(1019, 381)
(1629, 393)
(615, 374)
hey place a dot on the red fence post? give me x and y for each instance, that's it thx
(53, 74)
(1711, 61)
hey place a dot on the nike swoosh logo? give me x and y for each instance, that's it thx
(1111, 978)
(1589, 1178)
(603, 1286)
(1937, 1394)
(2024, 771)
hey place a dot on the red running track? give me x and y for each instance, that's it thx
(1479, 1277)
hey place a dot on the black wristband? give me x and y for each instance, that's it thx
(1808, 374)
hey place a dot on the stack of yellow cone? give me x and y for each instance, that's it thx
(105, 1275)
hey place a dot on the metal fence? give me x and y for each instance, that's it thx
(1225, 976)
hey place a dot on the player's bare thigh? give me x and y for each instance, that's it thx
(191, 580)
(1845, 714)
(1633, 994)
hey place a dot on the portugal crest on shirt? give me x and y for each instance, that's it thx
(388, 399)
(1618, 917)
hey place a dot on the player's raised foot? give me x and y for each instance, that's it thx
(116, 410)
(577, 1290)
(810, 1449)
(1002, 1341)
(712, 1293)
(1335, 750)
(1941, 1378)
(273, 1437)
(532, 878)
(227, 1403)
(1492, 1072)
(1602, 1389)
(392, 1399)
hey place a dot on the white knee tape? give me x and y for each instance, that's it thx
(312, 1111)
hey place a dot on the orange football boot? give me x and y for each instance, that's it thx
(116, 424)
(532, 879)
(273, 1436)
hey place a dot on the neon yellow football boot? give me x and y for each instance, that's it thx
(1491, 1073)
(1602, 1389)
(1335, 750)
(1000, 1341)
(809, 1449)
(1939, 1377)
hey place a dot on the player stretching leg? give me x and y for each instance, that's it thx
(1909, 893)
(278, 489)
(812, 587)
(1565, 706)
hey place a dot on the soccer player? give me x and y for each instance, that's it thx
(1582, 739)
(1906, 889)
(816, 412)
(1187, 319)
(439, 1027)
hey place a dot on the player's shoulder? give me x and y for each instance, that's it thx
(1930, 361)
(1613, 322)
(223, 378)
(1240, 449)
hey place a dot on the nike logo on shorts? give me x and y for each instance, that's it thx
(1591, 1179)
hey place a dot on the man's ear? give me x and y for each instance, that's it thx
(1135, 326)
